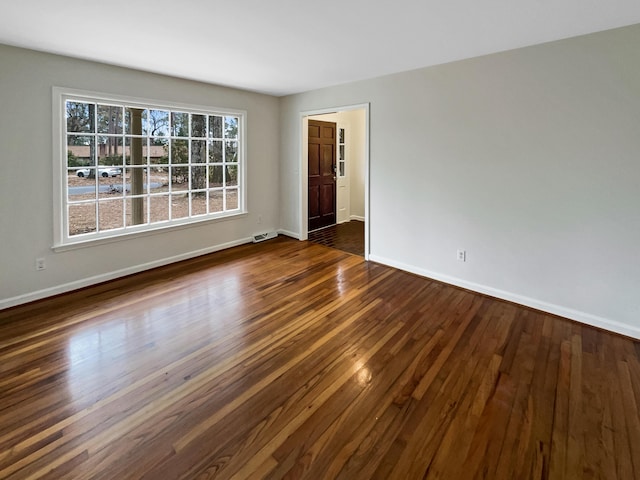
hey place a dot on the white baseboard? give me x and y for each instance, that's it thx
(578, 316)
(289, 234)
(86, 282)
(357, 217)
(582, 317)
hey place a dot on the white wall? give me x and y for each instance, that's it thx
(325, 117)
(26, 79)
(355, 119)
(528, 159)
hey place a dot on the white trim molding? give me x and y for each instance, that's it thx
(576, 315)
(86, 282)
(289, 233)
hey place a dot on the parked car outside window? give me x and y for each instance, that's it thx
(103, 172)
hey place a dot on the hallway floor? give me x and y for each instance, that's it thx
(347, 237)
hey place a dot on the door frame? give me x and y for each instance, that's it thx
(303, 198)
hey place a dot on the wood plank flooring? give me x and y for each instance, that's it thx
(348, 237)
(287, 359)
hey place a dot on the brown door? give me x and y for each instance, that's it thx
(322, 174)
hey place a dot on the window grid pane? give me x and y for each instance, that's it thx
(131, 166)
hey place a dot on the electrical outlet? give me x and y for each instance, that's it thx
(462, 255)
(40, 264)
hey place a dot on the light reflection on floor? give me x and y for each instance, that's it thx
(96, 351)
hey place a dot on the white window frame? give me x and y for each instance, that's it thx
(62, 239)
(342, 159)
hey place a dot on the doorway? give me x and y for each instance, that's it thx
(350, 165)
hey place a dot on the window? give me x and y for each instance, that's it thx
(341, 152)
(132, 166)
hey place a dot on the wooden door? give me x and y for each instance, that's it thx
(322, 174)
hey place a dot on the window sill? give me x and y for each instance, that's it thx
(84, 243)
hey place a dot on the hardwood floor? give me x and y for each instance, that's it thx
(292, 360)
(348, 237)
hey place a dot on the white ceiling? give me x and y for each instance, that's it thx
(288, 46)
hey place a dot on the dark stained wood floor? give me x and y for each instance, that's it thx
(348, 237)
(286, 359)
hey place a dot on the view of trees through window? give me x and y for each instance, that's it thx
(129, 166)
